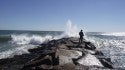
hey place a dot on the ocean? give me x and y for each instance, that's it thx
(112, 44)
(17, 42)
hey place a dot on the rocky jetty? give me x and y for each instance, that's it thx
(62, 54)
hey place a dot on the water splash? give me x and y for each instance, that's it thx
(16, 51)
(26, 39)
(71, 30)
(112, 45)
(24, 42)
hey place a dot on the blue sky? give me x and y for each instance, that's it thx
(91, 15)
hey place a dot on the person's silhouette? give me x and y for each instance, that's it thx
(81, 37)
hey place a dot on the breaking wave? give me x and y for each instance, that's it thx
(115, 34)
(26, 39)
(71, 31)
(112, 45)
(16, 51)
(22, 42)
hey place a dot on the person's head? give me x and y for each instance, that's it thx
(81, 30)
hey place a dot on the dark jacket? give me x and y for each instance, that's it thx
(81, 34)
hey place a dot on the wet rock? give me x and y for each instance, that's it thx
(94, 67)
(47, 67)
(37, 50)
(89, 60)
(65, 56)
(61, 54)
(106, 62)
(34, 63)
(62, 46)
(99, 53)
(44, 61)
(67, 66)
(90, 46)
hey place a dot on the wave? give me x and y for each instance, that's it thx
(106, 41)
(24, 42)
(21, 43)
(4, 38)
(113, 48)
(16, 51)
(114, 34)
(71, 31)
(30, 39)
(24, 39)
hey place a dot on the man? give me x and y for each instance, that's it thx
(81, 37)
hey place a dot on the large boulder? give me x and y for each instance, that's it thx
(65, 56)
(90, 46)
(89, 60)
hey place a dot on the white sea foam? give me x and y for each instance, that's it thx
(16, 51)
(24, 41)
(112, 47)
(106, 42)
(114, 34)
(71, 31)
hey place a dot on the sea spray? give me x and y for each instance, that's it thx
(16, 51)
(27, 39)
(112, 45)
(23, 41)
(71, 30)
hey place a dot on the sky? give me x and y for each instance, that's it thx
(52, 15)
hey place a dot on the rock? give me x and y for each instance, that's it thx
(65, 56)
(37, 50)
(99, 53)
(61, 54)
(67, 66)
(89, 60)
(47, 60)
(90, 46)
(94, 67)
(47, 67)
(106, 62)
(62, 46)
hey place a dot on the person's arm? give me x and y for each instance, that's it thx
(82, 34)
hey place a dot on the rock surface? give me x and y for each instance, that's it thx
(62, 54)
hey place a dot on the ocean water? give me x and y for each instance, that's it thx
(112, 44)
(15, 42)
(18, 42)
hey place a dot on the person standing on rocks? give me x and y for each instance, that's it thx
(81, 36)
